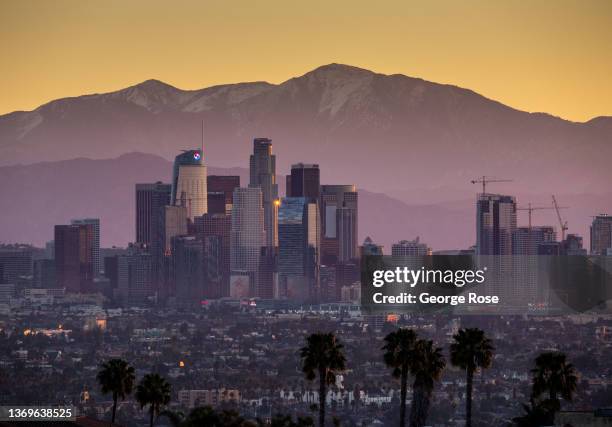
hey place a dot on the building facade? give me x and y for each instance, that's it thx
(189, 183)
(246, 240)
(262, 171)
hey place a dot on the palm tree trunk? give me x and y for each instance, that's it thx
(151, 416)
(420, 406)
(114, 408)
(468, 397)
(403, 391)
(322, 379)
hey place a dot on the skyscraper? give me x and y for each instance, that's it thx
(189, 184)
(247, 238)
(262, 169)
(225, 184)
(305, 181)
(217, 204)
(150, 201)
(338, 204)
(135, 286)
(188, 270)
(495, 224)
(601, 234)
(172, 224)
(213, 230)
(74, 257)
(495, 228)
(298, 248)
(95, 223)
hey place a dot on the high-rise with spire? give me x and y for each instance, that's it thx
(189, 187)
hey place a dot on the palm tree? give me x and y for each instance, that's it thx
(153, 390)
(399, 351)
(471, 350)
(426, 367)
(117, 377)
(555, 376)
(323, 356)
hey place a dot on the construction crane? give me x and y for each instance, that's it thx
(486, 179)
(562, 224)
(530, 209)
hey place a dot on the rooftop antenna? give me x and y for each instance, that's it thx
(202, 146)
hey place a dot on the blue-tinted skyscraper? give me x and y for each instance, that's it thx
(298, 248)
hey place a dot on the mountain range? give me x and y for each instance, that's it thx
(404, 141)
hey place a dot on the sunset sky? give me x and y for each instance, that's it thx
(552, 56)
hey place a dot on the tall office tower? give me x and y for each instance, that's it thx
(527, 244)
(15, 263)
(410, 248)
(495, 223)
(262, 169)
(526, 241)
(247, 238)
(213, 230)
(601, 234)
(95, 256)
(188, 270)
(216, 203)
(150, 201)
(305, 181)
(189, 185)
(288, 185)
(173, 223)
(338, 204)
(130, 275)
(495, 226)
(370, 248)
(73, 257)
(225, 184)
(298, 249)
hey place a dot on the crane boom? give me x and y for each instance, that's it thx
(562, 224)
(485, 179)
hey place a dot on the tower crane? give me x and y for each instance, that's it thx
(486, 179)
(562, 224)
(530, 209)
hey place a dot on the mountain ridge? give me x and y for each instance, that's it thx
(411, 135)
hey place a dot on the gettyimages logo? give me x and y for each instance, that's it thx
(466, 284)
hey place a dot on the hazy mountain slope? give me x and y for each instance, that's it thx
(388, 133)
(36, 197)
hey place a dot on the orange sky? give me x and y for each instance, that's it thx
(552, 56)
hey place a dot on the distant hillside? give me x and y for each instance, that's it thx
(388, 133)
(38, 196)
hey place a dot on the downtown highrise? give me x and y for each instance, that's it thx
(189, 184)
(262, 170)
(298, 249)
(338, 205)
(246, 240)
